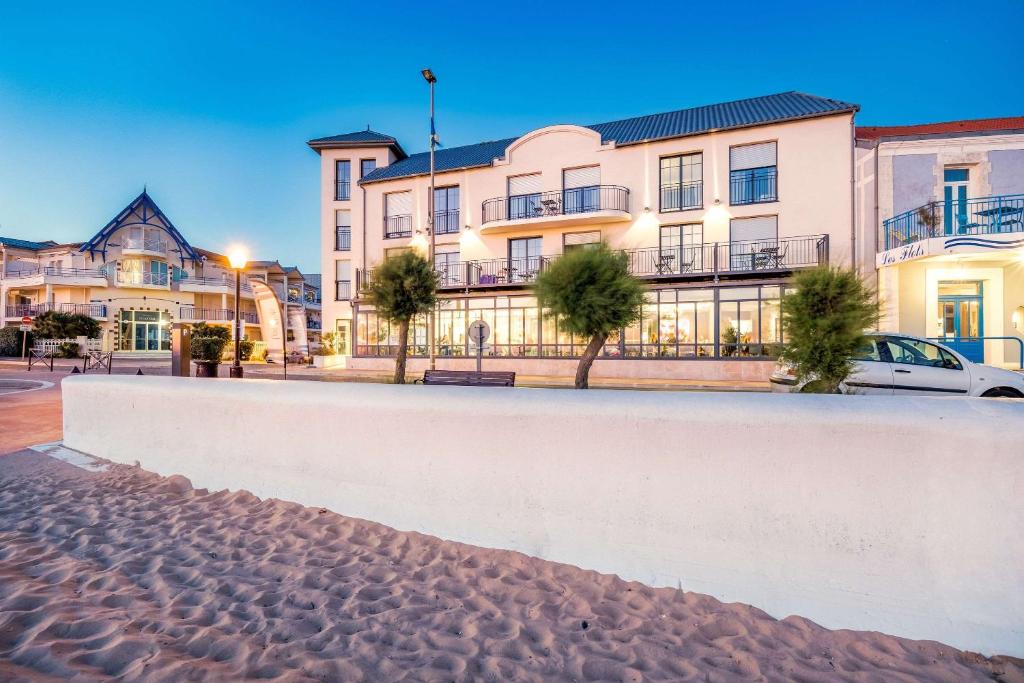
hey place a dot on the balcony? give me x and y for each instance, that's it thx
(981, 216)
(397, 226)
(142, 279)
(770, 257)
(56, 275)
(215, 285)
(191, 313)
(20, 310)
(150, 244)
(581, 205)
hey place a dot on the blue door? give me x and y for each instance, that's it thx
(962, 320)
(955, 200)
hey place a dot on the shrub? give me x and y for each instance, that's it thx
(825, 319)
(402, 287)
(10, 341)
(592, 293)
(245, 347)
(66, 350)
(328, 345)
(209, 342)
(61, 325)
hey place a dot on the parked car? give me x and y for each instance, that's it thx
(901, 365)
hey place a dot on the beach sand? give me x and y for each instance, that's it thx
(130, 575)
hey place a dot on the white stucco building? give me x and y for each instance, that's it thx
(138, 274)
(716, 207)
(944, 205)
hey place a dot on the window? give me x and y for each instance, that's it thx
(343, 230)
(581, 189)
(446, 210)
(524, 259)
(681, 249)
(914, 352)
(524, 196)
(342, 176)
(446, 265)
(754, 245)
(682, 182)
(398, 214)
(753, 174)
(342, 280)
(365, 166)
(580, 240)
(395, 251)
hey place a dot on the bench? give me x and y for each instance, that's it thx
(468, 378)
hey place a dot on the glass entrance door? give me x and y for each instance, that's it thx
(961, 318)
(145, 331)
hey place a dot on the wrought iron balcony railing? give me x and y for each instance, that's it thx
(342, 290)
(32, 310)
(343, 239)
(446, 222)
(754, 186)
(979, 216)
(397, 226)
(216, 314)
(678, 196)
(769, 256)
(557, 203)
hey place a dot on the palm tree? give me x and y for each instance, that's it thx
(402, 287)
(591, 293)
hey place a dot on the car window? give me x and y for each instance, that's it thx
(872, 350)
(914, 352)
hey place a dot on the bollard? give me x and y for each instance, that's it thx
(76, 371)
(139, 371)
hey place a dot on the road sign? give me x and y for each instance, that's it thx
(479, 332)
(26, 320)
(26, 328)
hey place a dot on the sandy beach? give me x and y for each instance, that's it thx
(124, 574)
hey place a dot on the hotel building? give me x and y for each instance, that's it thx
(944, 205)
(716, 207)
(139, 274)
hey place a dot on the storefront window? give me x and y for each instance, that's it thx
(745, 322)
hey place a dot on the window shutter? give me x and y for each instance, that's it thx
(754, 229)
(581, 177)
(446, 249)
(572, 239)
(343, 218)
(399, 204)
(752, 156)
(343, 270)
(524, 184)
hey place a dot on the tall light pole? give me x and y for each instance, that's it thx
(237, 257)
(428, 75)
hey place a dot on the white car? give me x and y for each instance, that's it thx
(901, 365)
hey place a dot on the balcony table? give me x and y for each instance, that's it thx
(1000, 214)
(550, 207)
(664, 263)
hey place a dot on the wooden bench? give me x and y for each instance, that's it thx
(468, 378)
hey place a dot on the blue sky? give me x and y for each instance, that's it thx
(210, 104)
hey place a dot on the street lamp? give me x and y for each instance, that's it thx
(237, 257)
(429, 77)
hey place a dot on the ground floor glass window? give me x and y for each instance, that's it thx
(723, 322)
(144, 331)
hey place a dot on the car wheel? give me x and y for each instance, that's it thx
(1002, 392)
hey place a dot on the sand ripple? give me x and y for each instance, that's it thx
(127, 575)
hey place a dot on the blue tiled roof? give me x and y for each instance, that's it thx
(357, 136)
(754, 111)
(26, 244)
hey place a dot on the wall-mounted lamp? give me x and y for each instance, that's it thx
(647, 209)
(718, 201)
(468, 227)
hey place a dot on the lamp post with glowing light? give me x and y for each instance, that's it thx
(428, 75)
(238, 258)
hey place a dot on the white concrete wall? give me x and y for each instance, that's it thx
(902, 515)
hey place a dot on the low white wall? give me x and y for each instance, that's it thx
(903, 515)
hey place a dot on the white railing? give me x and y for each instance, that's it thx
(51, 345)
(148, 243)
(142, 278)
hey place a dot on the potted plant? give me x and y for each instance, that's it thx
(208, 344)
(326, 349)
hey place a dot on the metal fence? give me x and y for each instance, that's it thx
(397, 226)
(557, 203)
(980, 216)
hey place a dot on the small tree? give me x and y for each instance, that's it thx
(61, 325)
(825, 321)
(402, 287)
(209, 342)
(591, 293)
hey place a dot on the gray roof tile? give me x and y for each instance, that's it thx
(754, 111)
